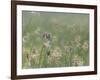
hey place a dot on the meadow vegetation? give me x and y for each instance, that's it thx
(52, 39)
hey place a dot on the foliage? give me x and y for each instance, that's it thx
(55, 39)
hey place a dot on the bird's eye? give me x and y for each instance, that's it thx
(48, 53)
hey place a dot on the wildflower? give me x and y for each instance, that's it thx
(85, 45)
(78, 45)
(77, 39)
(33, 56)
(77, 61)
(34, 50)
(55, 56)
(56, 53)
(67, 48)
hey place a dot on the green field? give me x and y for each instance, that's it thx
(55, 39)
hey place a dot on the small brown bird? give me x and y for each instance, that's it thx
(47, 41)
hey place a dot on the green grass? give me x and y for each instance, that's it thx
(69, 44)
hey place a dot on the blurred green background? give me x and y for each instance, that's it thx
(69, 44)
